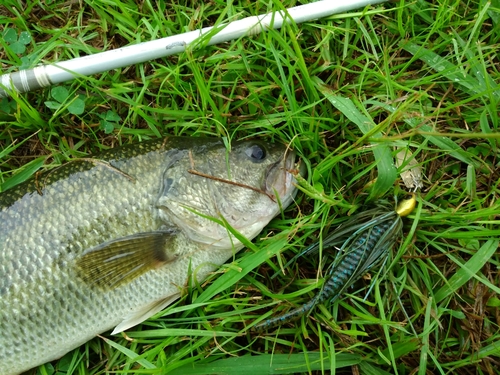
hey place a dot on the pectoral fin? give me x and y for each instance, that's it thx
(144, 313)
(118, 262)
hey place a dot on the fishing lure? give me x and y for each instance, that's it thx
(365, 243)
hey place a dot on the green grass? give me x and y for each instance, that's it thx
(348, 92)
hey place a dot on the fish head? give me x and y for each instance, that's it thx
(242, 186)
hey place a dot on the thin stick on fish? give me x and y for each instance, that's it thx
(201, 174)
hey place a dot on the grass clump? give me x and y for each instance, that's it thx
(348, 92)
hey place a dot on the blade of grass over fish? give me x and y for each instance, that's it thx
(467, 270)
(383, 158)
(247, 264)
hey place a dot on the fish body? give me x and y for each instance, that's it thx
(107, 242)
(363, 245)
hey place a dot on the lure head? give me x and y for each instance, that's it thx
(407, 206)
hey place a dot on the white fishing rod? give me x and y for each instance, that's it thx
(46, 75)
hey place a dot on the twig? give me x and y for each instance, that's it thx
(195, 172)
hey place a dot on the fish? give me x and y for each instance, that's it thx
(106, 242)
(364, 243)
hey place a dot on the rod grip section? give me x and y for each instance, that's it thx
(24, 81)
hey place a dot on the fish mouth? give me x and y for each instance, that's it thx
(280, 178)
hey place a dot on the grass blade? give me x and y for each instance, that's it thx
(384, 160)
(467, 270)
(268, 364)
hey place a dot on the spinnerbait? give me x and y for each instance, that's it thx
(366, 240)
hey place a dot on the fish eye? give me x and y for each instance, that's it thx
(256, 153)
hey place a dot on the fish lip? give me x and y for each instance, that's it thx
(284, 185)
